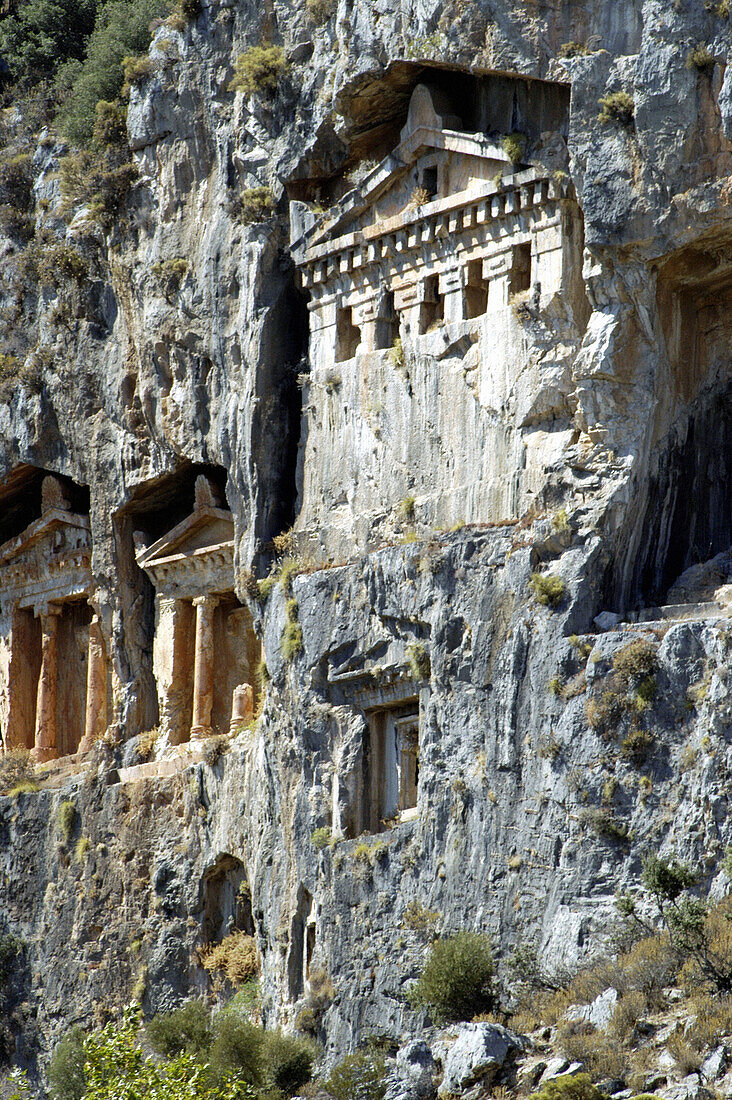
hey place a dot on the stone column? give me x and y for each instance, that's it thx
(203, 664)
(96, 688)
(242, 706)
(45, 740)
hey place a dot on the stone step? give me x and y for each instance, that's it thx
(185, 756)
(681, 612)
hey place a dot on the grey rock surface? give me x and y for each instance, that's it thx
(476, 1054)
(514, 833)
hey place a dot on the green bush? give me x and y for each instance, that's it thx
(572, 49)
(637, 747)
(66, 1068)
(116, 1066)
(92, 179)
(259, 69)
(568, 1087)
(513, 146)
(60, 262)
(237, 1048)
(187, 1028)
(604, 823)
(16, 181)
(636, 661)
(136, 70)
(617, 107)
(288, 1062)
(171, 274)
(548, 588)
(419, 661)
(320, 11)
(360, 1076)
(321, 838)
(291, 641)
(110, 124)
(16, 765)
(11, 948)
(458, 979)
(256, 204)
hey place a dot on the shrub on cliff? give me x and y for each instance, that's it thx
(256, 204)
(16, 766)
(617, 107)
(577, 1086)
(548, 588)
(259, 69)
(458, 979)
(235, 958)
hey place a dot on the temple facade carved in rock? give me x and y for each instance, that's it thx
(431, 285)
(205, 651)
(54, 662)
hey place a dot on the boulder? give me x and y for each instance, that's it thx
(477, 1054)
(560, 1067)
(599, 1013)
(412, 1077)
(714, 1064)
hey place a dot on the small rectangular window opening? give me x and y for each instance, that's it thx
(475, 291)
(520, 269)
(348, 335)
(432, 309)
(429, 181)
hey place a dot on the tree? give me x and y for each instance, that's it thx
(42, 34)
(458, 979)
(701, 935)
(117, 1069)
(122, 28)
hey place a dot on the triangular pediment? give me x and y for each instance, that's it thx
(48, 561)
(195, 557)
(430, 137)
(203, 530)
(381, 195)
(57, 530)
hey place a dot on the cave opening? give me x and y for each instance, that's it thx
(687, 503)
(227, 904)
(158, 506)
(374, 107)
(688, 518)
(278, 416)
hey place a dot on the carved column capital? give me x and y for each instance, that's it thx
(207, 601)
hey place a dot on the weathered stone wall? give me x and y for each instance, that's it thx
(508, 836)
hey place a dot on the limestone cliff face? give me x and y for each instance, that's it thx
(529, 816)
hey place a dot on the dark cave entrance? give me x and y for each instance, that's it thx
(278, 415)
(688, 518)
(227, 905)
(684, 513)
